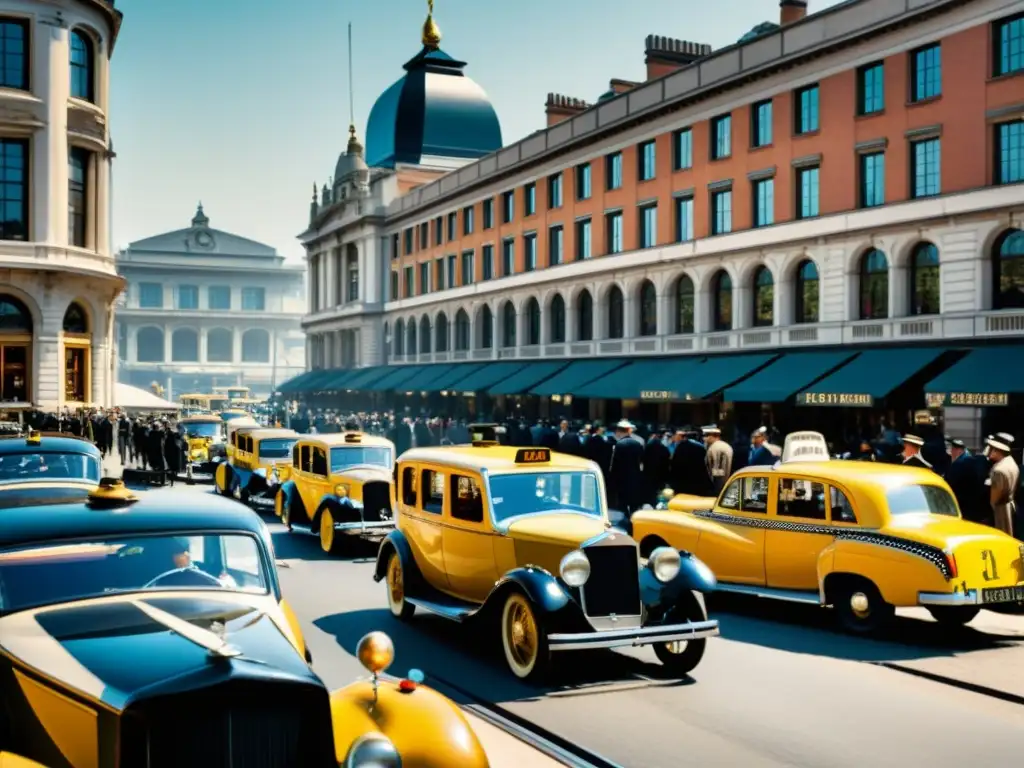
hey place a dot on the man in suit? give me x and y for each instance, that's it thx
(689, 472)
(719, 456)
(761, 454)
(626, 470)
(1003, 482)
(912, 452)
(656, 467)
(965, 481)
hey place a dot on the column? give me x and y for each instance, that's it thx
(202, 345)
(168, 336)
(236, 346)
(131, 355)
(102, 197)
(630, 314)
(49, 146)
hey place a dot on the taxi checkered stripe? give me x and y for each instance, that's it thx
(934, 555)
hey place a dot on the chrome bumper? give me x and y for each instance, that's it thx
(365, 529)
(970, 597)
(636, 636)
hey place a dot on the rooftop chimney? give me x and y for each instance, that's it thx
(791, 11)
(559, 108)
(621, 86)
(666, 54)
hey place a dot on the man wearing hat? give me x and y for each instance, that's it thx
(966, 482)
(912, 452)
(761, 454)
(719, 456)
(626, 470)
(688, 471)
(1003, 481)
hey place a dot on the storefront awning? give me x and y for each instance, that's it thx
(296, 383)
(528, 376)
(786, 376)
(319, 378)
(424, 378)
(985, 377)
(868, 377)
(338, 379)
(365, 376)
(652, 380)
(487, 375)
(719, 372)
(447, 380)
(575, 375)
(395, 377)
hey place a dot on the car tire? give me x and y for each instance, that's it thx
(225, 488)
(330, 541)
(954, 615)
(860, 607)
(681, 658)
(395, 582)
(524, 638)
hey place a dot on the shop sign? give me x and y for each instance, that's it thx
(968, 399)
(836, 399)
(660, 395)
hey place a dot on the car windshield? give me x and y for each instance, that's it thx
(343, 457)
(44, 465)
(56, 572)
(921, 499)
(229, 416)
(529, 493)
(279, 448)
(202, 429)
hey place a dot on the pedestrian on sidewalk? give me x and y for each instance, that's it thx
(1003, 481)
(124, 429)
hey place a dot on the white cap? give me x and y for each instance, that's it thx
(913, 440)
(1001, 441)
(624, 424)
(711, 430)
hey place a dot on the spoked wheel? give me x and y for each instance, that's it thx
(681, 657)
(523, 638)
(861, 609)
(400, 608)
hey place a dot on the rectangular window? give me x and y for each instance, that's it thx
(439, 281)
(648, 156)
(254, 299)
(425, 233)
(555, 245)
(508, 206)
(648, 226)
(872, 179)
(508, 257)
(188, 297)
(1010, 152)
(684, 219)
(1007, 45)
(219, 297)
(555, 191)
(721, 212)
(487, 262)
(761, 124)
(613, 232)
(78, 195)
(453, 223)
(807, 192)
(467, 220)
(583, 181)
(530, 252)
(925, 168)
(395, 243)
(14, 67)
(424, 278)
(14, 189)
(530, 199)
(352, 293)
(151, 296)
(806, 117)
(394, 284)
(926, 73)
(82, 66)
(871, 89)
(407, 235)
(764, 202)
(583, 240)
(452, 277)
(467, 267)
(682, 149)
(613, 171)
(409, 287)
(488, 208)
(721, 137)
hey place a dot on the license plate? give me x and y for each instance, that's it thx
(1003, 594)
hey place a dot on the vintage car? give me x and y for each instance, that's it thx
(150, 633)
(46, 466)
(522, 536)
(233, 414)
(204, 446)
(253, 472)
(233, 426)
(338, 486)
(861, 537)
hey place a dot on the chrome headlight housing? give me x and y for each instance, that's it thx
(664, 563)
(575, 568)
(372, 750)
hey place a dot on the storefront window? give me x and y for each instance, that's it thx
(721, 287)
(874, 286)
(924, 280)
(648, 309)
(1008, 270)
(764, 298)
(684, 305)
(76, 363)
(807, 292)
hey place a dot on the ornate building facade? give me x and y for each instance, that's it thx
(58, 282)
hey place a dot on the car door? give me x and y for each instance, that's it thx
(319, 479)
(422, 512)
(733, 546)
(468, 539)
(798, 533)
(304, 478)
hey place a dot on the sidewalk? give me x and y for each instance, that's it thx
(112, 464)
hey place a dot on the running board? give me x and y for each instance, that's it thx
(454, 611)
(789, 595)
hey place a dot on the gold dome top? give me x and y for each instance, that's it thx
(431, 32)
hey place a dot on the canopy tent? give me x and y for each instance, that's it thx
(131, 398)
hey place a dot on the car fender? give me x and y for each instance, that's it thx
(396, 541)
(296, 629)
(899, 569)
(11, 760)
(427, 729)
(290, 493)
(694, 576)
(542, 588)
(338, 508)
(241, 476)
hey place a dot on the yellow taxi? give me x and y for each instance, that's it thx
(863, 538)
(338, 486)
(204, 437)
(252, 473)
(522, 536)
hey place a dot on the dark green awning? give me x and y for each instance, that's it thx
(395, 377)
(339, 379)
(576, 374)
(655, 379)
(296, 383)
(870, 376)
(422, 380)
(316, 383)
(365, 377)
(719, 372)
(450, 379)
(786, 376)
(984, 377)
(485, 376)
(529, 375)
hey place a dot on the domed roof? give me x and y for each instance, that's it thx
(433, 111)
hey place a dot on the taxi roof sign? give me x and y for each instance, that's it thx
(353, 437)
(483, 434)
(533, 456)
(805, 446)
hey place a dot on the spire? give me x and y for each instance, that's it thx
(431, 32)
(314, 191)
(354, 147)
(200, 219)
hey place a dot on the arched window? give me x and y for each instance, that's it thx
(585, 317)
(532, 322)
(721, 295)
(616, 314)
(461, 331)
(486, 334)
(557, 319)
(149, 345)
(874, 285)
(410, 338)
(425, 335)
(14, 315)
(15, 350)
(77, 354)
(75, 319)
(764, 298)
(185, 346)
(441, 333)
(82, 66)
(256, 346)
(648, 309)
(399, 338)
(807, 285)
(684, 298)
(508, 325)
(220, 346)
(924, 280)
(1008, 270)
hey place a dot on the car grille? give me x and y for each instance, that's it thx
(614, 583)
(376, 499)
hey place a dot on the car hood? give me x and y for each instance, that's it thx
(363, 475)
(121, 649)
(569, 528)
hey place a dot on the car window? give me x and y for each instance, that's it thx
(921, 499)
(295, 454)
(801, 498)
(755, 494)
(527, 493)
(433, 491)
(307, 458)
(409, 487)
(842, 509)
(320, 462)
(467, 501)
(731, 496)
(48, 465)
(277, 448)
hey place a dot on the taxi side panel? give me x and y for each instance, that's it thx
(898, 574)
(651, 528)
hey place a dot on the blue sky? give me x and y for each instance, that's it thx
(244, 103)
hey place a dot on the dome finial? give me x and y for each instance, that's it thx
(431, 32)
(200, 219)
(354, 147)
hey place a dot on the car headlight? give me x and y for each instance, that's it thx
(373, 750)
(575, 568)
(664, 562)
(341, 490)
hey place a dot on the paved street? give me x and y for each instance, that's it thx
(780, 688)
